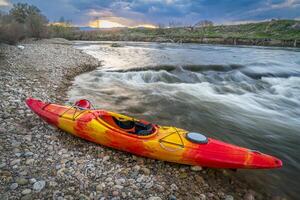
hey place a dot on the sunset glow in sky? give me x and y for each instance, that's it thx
(132, 13)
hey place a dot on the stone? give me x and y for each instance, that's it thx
(29, 161)
(196, 168)
(160, 188)
(83, 197)
(100, 187)
(26, 191)
(229, 197)
(32, 180)
(174, 187)
(22, 181)
(119, 187)
(146, 171)
(202, 197)
(14, 186)
(39, 185)
(154, 198)
(2, 165)
(105, 158)
(250, 195)
(120, 181)
(27, 197)
(115, 193)
(15, 162)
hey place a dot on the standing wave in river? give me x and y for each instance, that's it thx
(254, 103)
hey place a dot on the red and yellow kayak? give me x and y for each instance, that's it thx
(145, 139)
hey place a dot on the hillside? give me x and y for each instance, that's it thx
(271, 33)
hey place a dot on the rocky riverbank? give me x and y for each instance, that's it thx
(41, 162)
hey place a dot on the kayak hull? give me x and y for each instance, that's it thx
(165, 143)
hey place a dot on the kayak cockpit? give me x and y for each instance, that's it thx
(128, 125)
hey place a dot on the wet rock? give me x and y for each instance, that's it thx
(39, 185)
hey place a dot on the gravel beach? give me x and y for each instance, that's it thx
(40, 162)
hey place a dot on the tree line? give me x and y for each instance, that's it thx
(27, 21)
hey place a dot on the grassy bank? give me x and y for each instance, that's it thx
(271, 33)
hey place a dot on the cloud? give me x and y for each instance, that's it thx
(4, 3)
(284, 4)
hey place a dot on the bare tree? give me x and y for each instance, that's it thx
(203, 23)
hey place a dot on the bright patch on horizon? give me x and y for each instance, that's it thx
(105, 24)
(110, 24)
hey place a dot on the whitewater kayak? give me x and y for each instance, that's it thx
(150, 140)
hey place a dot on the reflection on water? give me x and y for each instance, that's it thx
(243, 95)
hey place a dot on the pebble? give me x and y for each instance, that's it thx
(229, 197)
(39, 185)
(196, 168)
(15, 162)
(14, 186)
(115, 193)
(26, 191)
(83, 197)
(202, 197)
(29, 161)
(100, 187)
(105, 158)
(174, 187)
(22, 181)
(28, 154)
(32, 180)
(249, 196)
(146, 171)
(120, 181)
(154, 198)
(2, 165)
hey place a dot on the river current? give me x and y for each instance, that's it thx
(248, 96)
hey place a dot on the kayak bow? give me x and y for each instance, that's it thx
(145, 139)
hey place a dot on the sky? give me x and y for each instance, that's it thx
(185, 12)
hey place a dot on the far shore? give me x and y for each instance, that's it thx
(216, 41)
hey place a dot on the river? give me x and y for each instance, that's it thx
(248, 96)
